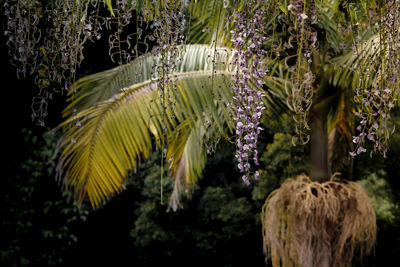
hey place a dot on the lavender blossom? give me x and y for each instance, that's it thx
(247, 38)
(376, 99)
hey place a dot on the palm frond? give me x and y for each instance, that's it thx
(187, 157)
(352, 65)
(103, 85)
(187, 150)
(208, 21)
(211, 20)
(113, 135)
(118, 118)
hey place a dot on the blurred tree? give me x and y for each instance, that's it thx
(217, 225)
(220, 223)
(36, 216)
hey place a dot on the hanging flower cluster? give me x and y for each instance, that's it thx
(168, 24)
(46, 40)
(168, 32)
(215, 59)
(376, 100)
(23, 33)
(120, 47)
(64, 41)
(247, 83)
(303, 14)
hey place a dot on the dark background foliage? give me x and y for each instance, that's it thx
(220, 224)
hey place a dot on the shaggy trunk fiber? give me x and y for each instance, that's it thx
(312, 224)
(313, 221)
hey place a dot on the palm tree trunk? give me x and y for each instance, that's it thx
(320, 167)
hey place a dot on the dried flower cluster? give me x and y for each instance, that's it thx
(23, 33)
(377, 99)
(211, 137)
(120, 48)
(247, 38)
(216, 59)
(168, 24)
(302, 14)
(46, 40)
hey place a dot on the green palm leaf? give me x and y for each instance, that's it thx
(113, 135)
(187, 154)
(103, 85)
(209, 19)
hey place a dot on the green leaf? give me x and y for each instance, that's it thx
(113, 135)
(109, 5)
(283, 7)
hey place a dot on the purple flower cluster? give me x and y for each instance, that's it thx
(376, 100)
(247, 39)
(373, 119)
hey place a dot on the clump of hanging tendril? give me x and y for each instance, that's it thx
(46, 40)
(168, 32)
(302, 14)
(376, 100)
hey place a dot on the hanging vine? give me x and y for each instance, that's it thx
(121, 50)
(46, 40)
(376, 99)
(22, 34)
(168, 31)
(303, 14)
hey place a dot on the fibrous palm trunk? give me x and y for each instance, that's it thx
(320, 170)
(320, 167)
